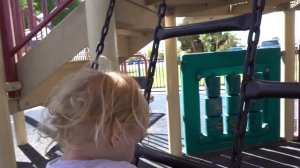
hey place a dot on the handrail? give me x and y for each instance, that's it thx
(141, 56)
(144, 59)
(7, 42)
(34, 32)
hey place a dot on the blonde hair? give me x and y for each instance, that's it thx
(106, 101)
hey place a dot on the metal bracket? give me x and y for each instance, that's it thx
(13, 86)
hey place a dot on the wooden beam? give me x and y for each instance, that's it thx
(126, 32)
(190, 8)
(172, 87)
(132, 16)
(289, 74)
(173, 3)
(221, 9)
(151, 2)
(7, 152)
(203, 2)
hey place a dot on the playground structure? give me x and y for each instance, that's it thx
(32, 87)
(216, 126)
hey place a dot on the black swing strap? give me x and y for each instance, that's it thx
(105, 28)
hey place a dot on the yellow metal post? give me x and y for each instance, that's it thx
(289, 62)
(172, 87)
(7, 154)
(95, 17)
(20, 128)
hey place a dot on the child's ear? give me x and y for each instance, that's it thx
(117, 135)
(115, 139)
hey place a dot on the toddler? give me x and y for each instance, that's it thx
(97, 118)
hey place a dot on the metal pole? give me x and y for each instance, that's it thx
(45, 8)
(7, 154)
(289, 61)
(299, 99)
(172, 87)
(17, 24)
(6, 35)
(30, 17)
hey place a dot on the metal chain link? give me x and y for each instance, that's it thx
(154, 53)
(248, 75)
(105, 28)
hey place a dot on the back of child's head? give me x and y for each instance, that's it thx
(105, 103)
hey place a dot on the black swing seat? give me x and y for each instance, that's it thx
(142, 81)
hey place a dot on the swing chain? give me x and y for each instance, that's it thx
(154, 53)
(248, 75)
(105, 28)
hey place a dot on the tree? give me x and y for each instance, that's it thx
(186, 42)
(65, 12)
(211, 41)
(231, 41)
(37, 7)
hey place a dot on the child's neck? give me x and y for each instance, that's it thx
(90, 152)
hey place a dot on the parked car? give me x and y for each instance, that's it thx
(235, 49)
(270, 44)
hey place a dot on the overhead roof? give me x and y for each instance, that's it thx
(216, 9)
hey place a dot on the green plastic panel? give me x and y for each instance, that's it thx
(255, 122)
(233, 84)
(213, 107)
(214, 126)
(213, 86)
(256, 105)
(204, 65)
(232, 105)
(229, 123)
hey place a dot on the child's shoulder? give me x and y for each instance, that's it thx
(98, 163)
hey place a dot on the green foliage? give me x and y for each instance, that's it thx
(37, 5)
(148, 53)
(23, 4)
(37, 8)
(65, 12)
(219, 41)
(186, 42)
(213, 41)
